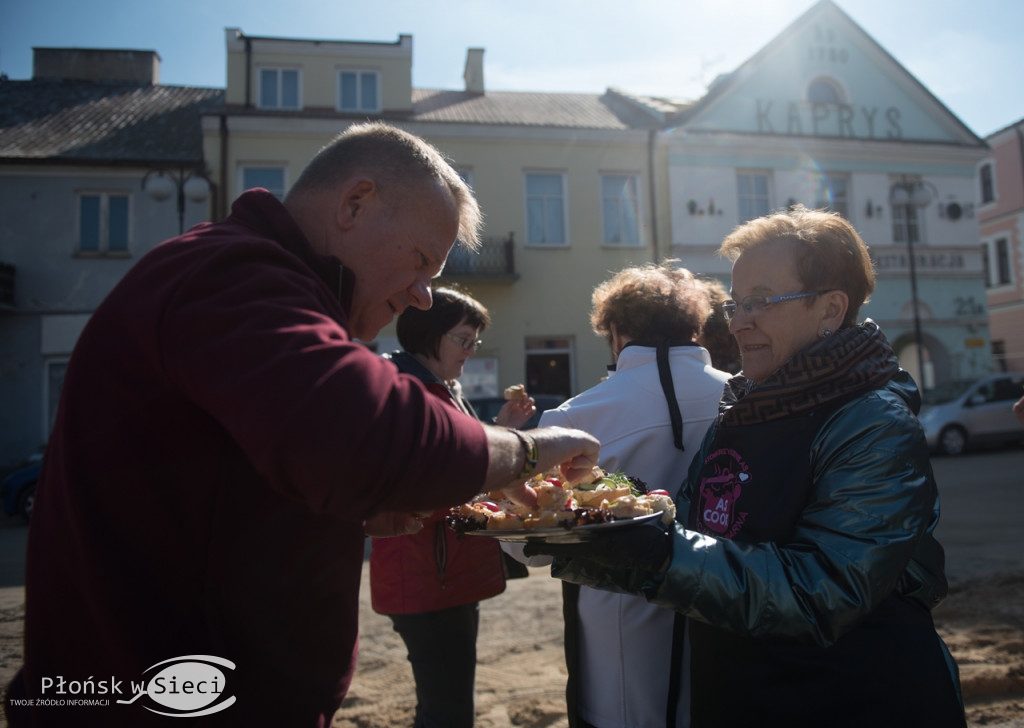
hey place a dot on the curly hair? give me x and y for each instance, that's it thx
(716, 337)
(830, 255)
(651, 303)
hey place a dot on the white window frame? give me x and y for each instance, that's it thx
(991, 165)
(622, 208)
(360, 106)
(996, 261)
(840, 204)
(103, 245)
(563, 201)
(245, 167)
(740, 197)
(279, 71)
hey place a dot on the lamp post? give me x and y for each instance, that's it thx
(912, 196)
(192, 185)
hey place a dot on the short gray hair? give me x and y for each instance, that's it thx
(396, 161)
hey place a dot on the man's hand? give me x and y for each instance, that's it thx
(390, 523)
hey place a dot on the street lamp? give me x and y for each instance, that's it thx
(192, 185)
(911, 196)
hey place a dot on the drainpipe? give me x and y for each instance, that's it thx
(248, 72)
(651, 138)
(222, 192)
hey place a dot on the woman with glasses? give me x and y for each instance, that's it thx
(804, 552)
(430, 583)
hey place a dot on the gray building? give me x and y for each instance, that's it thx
(76, 143)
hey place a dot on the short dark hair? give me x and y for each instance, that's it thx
(420, 332)
(830, 255)
(651, 303)
(396, 161)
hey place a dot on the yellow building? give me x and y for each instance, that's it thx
(564, 181)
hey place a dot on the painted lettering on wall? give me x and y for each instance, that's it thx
(799, 118)
(922, 261)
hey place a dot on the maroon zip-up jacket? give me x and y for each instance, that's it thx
(219, 442)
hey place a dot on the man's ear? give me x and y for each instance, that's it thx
(353, 200)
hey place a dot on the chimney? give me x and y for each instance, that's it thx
(95, 64)
(474, 73)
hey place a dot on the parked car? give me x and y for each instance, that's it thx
(18, 490)
(487, 407)
(960, 415)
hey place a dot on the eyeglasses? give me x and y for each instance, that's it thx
(466, 344)
(757, 304)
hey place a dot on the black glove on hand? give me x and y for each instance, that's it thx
(643, 549)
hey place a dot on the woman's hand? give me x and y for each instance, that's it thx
(516, 412)
(391, 523)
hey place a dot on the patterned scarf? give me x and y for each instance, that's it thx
(852, 361)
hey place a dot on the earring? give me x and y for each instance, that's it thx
(825, 333)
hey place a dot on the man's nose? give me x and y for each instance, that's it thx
(420, 294)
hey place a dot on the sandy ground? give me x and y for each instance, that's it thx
(521, 669)
(521, 672)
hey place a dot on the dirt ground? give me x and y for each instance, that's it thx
(521, 672)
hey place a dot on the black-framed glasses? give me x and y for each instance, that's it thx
(756, 304)
(466, 344)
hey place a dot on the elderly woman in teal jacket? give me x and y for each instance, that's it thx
(804, 553)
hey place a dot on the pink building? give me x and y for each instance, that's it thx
(1001, 218)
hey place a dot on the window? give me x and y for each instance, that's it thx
(832, 193)
(905, 224)
(1002, 262)
(103, 223)
(269, 178)
(986, 265)
(545, 209)
(358, 91)
(823, 91)
(988, 193)
(279, 88)
(753, 195)
(619, 209)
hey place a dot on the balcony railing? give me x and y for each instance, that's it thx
(495, 260)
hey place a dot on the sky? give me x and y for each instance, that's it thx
(966, 52)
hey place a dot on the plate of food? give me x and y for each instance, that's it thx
(565, 513)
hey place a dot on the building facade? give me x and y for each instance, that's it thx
(824, 117)
(574, 187)
(1001, 212)
(76, 142)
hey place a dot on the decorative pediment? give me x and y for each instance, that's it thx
(825, 77)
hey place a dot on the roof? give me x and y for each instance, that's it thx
(85, 121)
(610, 110)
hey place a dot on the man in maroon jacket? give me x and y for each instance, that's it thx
(223, 444)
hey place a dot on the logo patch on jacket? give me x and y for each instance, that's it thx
(719, 492)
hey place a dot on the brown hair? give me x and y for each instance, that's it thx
(420, 332)
(830, 255)
(397, 162)
(716, 337)
(651, 303)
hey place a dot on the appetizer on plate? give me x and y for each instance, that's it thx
(601, 498)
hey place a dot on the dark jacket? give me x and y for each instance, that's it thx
(220, 441)
(805, 554)
(433, 569)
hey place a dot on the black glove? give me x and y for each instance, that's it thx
(626, 557)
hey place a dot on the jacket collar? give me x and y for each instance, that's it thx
(260, 211)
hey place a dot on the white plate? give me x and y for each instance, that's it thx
(574, 534)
